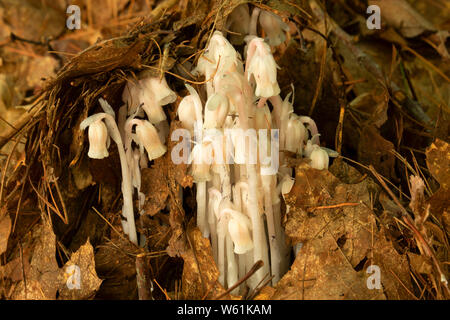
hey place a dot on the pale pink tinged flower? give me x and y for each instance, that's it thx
(98, 140)
(219, 50)
(261, 65)
(201, 159)
(274, 28)
(319, 158)
(296, 135)
(147, 137)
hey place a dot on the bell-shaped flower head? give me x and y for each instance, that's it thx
(155, 94)
(147, 138)
(319, 158)
(220, 54)
(98, 140)
(295, 135)
(190, 110)
(261, 65)
(237, 224)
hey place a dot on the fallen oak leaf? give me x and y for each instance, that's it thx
(200, 273)
(79, 278)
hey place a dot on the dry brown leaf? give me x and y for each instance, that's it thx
(115, 264)
(341, 239)
(420, 263)
(5, 229)
(154, 186)
(350, 225)
(395, 272)
(402, 16)
(42, 281)
(200, 273)
(374, 104)
(438, 161)
(43, 278)
(32, 20)
(321, 271)
(375, 150)
(81, 261)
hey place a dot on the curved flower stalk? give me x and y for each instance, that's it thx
(190, 110)
(108, 119)
(238, 235)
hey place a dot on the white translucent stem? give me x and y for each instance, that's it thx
(127, 186)
(273, 238)
(232, 268)
(212, 227)
(201, 209)
(221, 256)
(257, 223)
(254, 22)
(225, 182)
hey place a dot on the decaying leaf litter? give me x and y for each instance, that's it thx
(379, 97)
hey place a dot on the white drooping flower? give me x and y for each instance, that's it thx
(296, 135)
(319, 158)
(274, 28)
(157, 94)
(240, 234)
(220, 54)
(261, 65)
(98, 140)
(147, 137)
(190, 109)
(152, 93)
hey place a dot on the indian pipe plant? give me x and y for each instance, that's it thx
(237, 191)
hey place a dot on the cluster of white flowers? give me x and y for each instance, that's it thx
(143, 98)
(238, 202)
